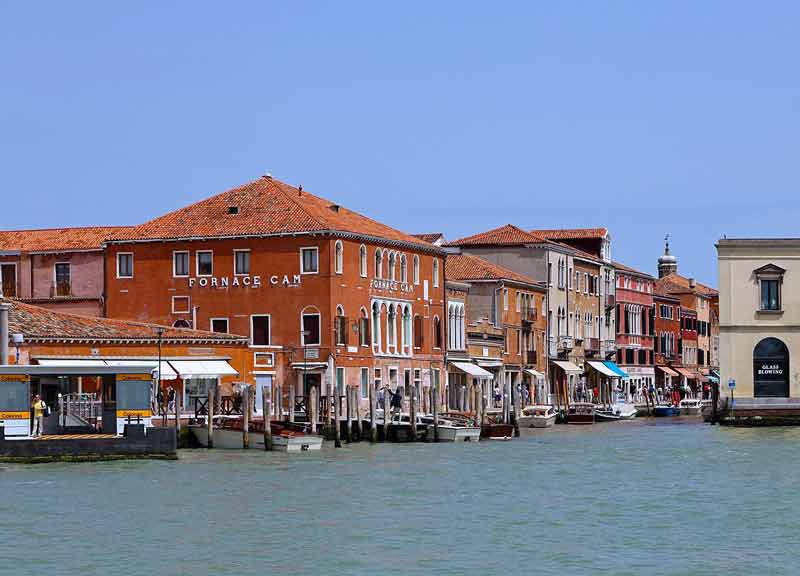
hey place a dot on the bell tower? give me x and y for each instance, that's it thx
(667, 263)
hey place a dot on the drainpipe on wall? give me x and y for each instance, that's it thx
(4, 333)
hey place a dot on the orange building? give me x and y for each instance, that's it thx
(322, 293)
(190, 358)
(499, 325)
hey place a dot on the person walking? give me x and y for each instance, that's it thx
(39, 408)
(171, 399)
(396, 401)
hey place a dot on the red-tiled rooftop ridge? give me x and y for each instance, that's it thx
(571, 233)
(263, 207)
(57, 239)
(508, 235)
(464, 267)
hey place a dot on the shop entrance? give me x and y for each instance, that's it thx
(771, 369)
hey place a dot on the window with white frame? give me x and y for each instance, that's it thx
(392, 262)
(338, 257)
(403, 268)
(125, 265)
(378, 263)
(219, 325)
(241, 262)
(340, 381)
(585, 283)
(505, 298)
(180, 263)
(435, 272)
(309, 260)
(62, 280)
(311, 334)
(181, 305)
(340, 327)
(260, 326)
(415, 270)
(363, 328)
(362, 261)
(364, 383)
(205, 263)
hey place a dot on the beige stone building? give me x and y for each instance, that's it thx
(759, 321)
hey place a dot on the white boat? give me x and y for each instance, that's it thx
(537, 417)
(690, 407)
(227, 439)
(452, 432)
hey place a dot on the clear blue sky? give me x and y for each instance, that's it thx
(645, 117)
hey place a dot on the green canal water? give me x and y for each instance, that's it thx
(644, 497)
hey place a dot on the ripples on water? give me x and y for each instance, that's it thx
(645, 497)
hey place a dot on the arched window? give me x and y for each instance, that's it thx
(415, 271)
(435, 272)
(181, 324)
(391, 325)
(339, 257)
(392, 259)
(363, 328)
(403, 268)
(310, 326)
(376, 326)
(437, 332)
(406, 329)
(362, 261)
(340, 327)
(378, 263)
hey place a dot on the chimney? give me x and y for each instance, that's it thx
(692, 283)
(4, 307)
(334, 207)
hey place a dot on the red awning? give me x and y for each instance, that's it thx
(668, 371)
(687, 373)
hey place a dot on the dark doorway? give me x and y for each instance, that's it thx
(771, 369)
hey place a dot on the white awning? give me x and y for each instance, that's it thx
(568, 366)
(534, 373)
(473, 370)
(603, 369)
(69, 362)
(202, 368)
(167, 373)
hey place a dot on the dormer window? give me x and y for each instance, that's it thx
(770, 280)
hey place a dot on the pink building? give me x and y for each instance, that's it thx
(58, 268)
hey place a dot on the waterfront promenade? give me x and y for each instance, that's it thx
(652, 496)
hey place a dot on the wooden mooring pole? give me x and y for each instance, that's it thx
(211, 417)
(359, 423)
(373, 428)
(266, 392)
(246, 418)
(311, 408)
(291, 402)
(435, 410)
(337, 426)
(349, 414)
(386, 415)
(413, 412)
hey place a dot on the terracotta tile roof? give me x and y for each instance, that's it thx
(431, 238)
(675, 283)
(266, 206)
(620, 266)
(39, 324)
(57, 239)
(571, 233)
(658, 290)
(508, 235)
(463, 267)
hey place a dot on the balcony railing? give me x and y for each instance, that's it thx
(528, 314)
(565, 343)
(591, 345)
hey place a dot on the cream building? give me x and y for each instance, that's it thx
(759, 285)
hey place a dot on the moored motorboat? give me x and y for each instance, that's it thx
(580, 413)
(690, 407)
(286, 437)
(666, 410)
(455, 428)
(537, 417)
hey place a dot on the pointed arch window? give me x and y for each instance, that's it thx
(435, 272)
(338, 257)
(415, 271)
(403, 268)
(362, 261)
(392, 262)
(378, 263)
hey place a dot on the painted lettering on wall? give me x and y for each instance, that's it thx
(244, 281)
(391, 285)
